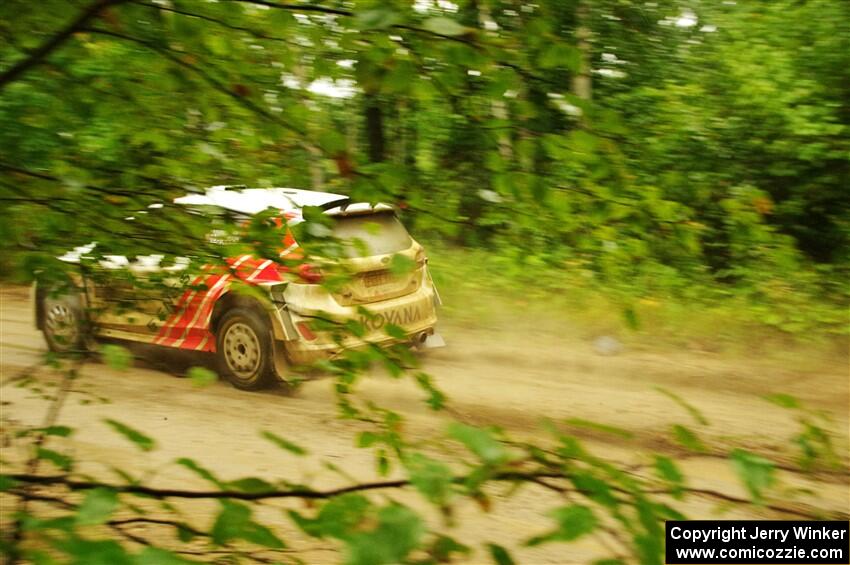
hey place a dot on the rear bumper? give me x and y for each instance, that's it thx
(414, 313)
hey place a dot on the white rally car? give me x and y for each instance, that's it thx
(256, 336)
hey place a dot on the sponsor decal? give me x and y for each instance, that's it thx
(399, 317)
(195, 305)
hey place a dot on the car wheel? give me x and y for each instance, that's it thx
(63, 323)
(244, 349)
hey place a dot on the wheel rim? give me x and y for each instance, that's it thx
(61, 324)
(241, 350)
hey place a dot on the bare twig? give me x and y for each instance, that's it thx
(33, 462)
(309, 494)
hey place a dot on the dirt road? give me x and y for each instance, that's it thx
(510, 376)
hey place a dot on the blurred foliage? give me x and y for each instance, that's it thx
(695, 153)
(706, 154)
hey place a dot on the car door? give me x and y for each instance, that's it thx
(134, 298)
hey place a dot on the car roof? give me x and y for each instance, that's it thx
(254, 200)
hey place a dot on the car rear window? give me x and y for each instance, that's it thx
(371, 234)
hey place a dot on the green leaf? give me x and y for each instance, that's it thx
(59, 459)
(311, 527)
(262, 535)
(159, 556)
(395, 332)
(649, 549)
(398, 532)
(395, 370)
(61, 431)
(687, 438)
(200, 471)
(436, 399)
(125, 476)
(94, 552)
(143, 442)
(432, 478)
(383, 463)
(337, 518)
(757, 473)
(63, 523)
(574, 521)
(560, 55)
(116, 356)
(480, 442)
(669, 472)
(184, 534)
(587, 424)
(234, 522)
(582, 141)
(444, 546)
(283, 443)
(400, 78)
(251, 484)
(201, 376)
(444, 26)
(355, 328)
(401, 264)
(217, 43)
(594, 488)
(783, 400)
(367, 439)
(281, 19)
(97, 507)
(377, 18)
(331, 142)
(500, 555)
(696, 414)
(7, 482)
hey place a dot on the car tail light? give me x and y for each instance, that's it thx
(309, 273)
(304, 330)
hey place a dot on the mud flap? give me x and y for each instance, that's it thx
(433, 341)
(437, 300)
(279, 360)
(36, 307)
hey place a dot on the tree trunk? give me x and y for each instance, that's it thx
(374, 128)
(582, 84)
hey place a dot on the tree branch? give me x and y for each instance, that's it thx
(309, 494)
(298, 7)
(45, 49)
(203, 75)
(222, 23)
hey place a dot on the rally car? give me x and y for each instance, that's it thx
(256, 336)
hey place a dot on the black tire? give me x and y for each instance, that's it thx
(244, 349)
(63, 322)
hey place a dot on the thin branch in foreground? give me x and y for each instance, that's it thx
(299, 7)
(17, 529)
(310, 494)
